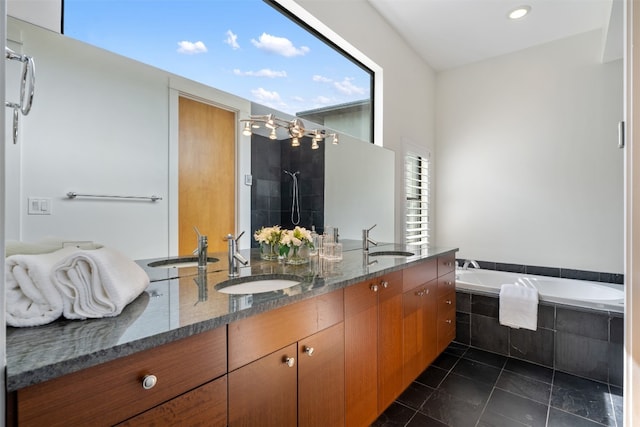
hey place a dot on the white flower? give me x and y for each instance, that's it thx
(270, 235)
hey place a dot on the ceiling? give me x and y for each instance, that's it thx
(452, 33)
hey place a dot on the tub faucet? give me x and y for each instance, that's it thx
(201, 251)
(470, 262)
(234, 255)
(366, 240)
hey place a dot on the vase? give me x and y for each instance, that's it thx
(268, 251)
(295, 257)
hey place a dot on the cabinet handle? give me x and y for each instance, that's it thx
(385, 284)
(448, 321)
(420, 293)
(448, 301)
(309, 351)
(149, 382)
(374, 288)
(448, 264)
(290, 361)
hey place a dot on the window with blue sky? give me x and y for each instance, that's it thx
(245, 47)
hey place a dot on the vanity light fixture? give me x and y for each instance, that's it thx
(294, 127)
(519, 12)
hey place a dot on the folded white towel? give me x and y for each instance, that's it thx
(32, 298)
(519, 306)
(97, 283)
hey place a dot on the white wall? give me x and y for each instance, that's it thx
(409, 83)
(527, 164)
(100, 124)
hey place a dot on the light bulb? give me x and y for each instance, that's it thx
(247, 129)
(295, 142)
(335, 139)
(314, 144)
(273, 135)
(519, 12)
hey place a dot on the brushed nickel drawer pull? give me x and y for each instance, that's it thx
(149, 382)
(374, 288)
(385, 284)
(290, 361)
(309, 351)
(448, 321)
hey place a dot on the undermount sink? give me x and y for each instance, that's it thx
(255, 286)
(398, 254)
(179, 262)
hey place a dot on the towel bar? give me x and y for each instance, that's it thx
(153, 198)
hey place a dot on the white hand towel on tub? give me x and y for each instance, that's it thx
(519, 306)
(98, 283)
(32, 298)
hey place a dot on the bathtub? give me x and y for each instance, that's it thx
(571, 292)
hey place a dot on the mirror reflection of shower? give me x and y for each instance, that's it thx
(295, 199)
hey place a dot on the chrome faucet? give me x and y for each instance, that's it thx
(366, 239)
(201, 251)
(470, 262)
(234, 255)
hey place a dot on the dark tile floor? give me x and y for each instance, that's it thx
(466, 386)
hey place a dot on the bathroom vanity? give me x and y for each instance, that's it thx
(336, 349)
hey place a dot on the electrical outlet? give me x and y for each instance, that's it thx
(39, 206)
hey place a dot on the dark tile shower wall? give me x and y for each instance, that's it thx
(582, 342)
(310, 164)
(271, 190)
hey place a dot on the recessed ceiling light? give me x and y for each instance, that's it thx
(519, 12)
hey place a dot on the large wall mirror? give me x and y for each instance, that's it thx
(104, 124)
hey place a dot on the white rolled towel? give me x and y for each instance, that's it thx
(519, 306)
(32, 298)
(97, 283)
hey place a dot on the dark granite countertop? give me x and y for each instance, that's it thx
(179, 303)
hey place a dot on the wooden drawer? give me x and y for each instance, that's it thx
(447, 283)
(262, 334)
(446, 303)
(204, 406)
(112, 392)
(446, 321)
(446, 263)
(419, 274)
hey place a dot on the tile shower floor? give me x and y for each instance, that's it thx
(471, 387)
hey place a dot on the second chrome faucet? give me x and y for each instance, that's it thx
(234, 255)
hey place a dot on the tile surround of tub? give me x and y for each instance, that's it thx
(565, 273)
(579, 341)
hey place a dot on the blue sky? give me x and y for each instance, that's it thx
(244, 47)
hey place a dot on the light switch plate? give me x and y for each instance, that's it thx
(39, 206)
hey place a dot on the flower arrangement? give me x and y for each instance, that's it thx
(269, 239)
(276, 241)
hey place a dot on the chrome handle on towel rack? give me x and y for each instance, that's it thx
(153, 198)
(26, 98)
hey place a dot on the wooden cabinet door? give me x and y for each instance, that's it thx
(420, 332)
(264, 392)
(321, 378)
(361, 354)
(390, 383)
(204, 406)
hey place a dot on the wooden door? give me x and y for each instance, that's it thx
(264, 392)
(206, 174)
(390, 321)
(361, 354)
(321, 378)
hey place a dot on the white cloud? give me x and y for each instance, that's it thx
(322, 100)
(190, 48)
(348, 88)
(279, 45)
(262, 94)
(265, 72)
(232, 40)
(297, 98)
(321, 79)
